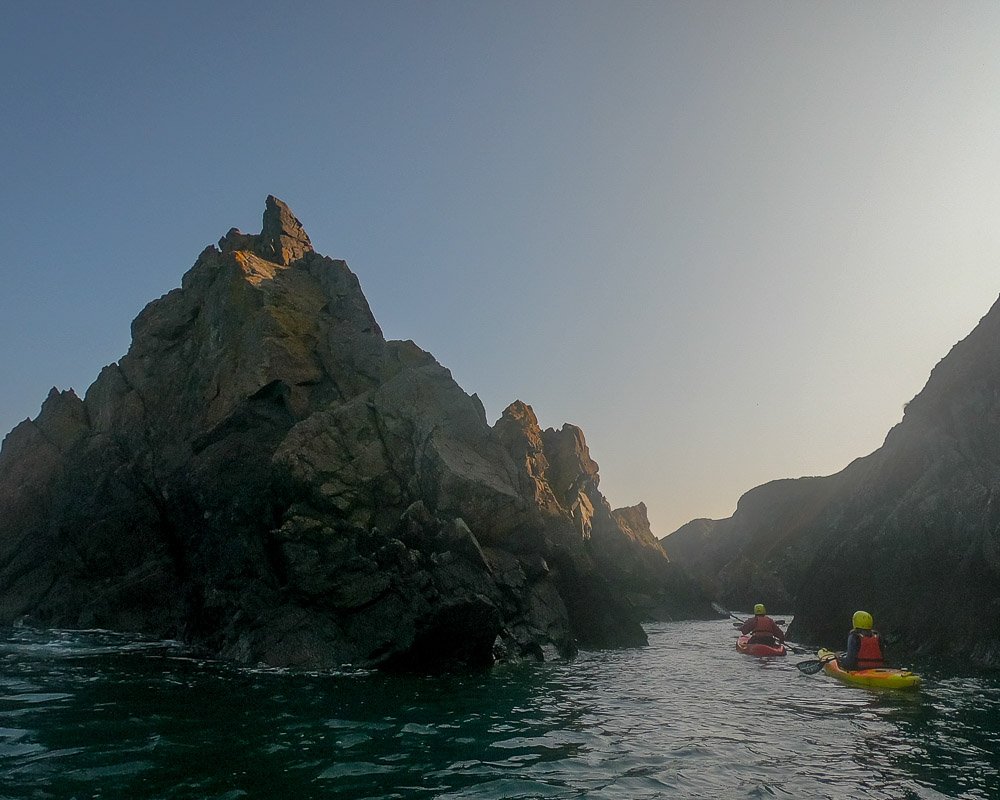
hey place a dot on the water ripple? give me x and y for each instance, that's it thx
(100, 715)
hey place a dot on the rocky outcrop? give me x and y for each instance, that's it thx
(910, 532)
(634, 523)
(625, 568)
(264, 475)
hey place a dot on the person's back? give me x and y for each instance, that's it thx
(761, 627)
(864, 647)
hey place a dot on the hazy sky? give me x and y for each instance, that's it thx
(727, 239)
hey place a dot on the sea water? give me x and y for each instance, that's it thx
(98, 715)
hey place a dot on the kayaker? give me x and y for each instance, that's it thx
(761, 627)
(864, 648)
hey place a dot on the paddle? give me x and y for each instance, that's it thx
(726, 613)
(720, 610)
(813, 666)
(739, 622)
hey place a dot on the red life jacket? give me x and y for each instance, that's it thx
(869, 652)
(764, 631)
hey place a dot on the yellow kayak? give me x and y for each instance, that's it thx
(880, 678)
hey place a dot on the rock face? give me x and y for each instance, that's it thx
(910, 532)
(264, 475)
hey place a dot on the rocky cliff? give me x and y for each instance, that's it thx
(264, 475)
(910, 532)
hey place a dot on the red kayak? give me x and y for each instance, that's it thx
(758, 648)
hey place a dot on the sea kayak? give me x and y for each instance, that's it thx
(881, 678)
(744, 645)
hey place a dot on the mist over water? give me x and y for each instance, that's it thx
(97, 715)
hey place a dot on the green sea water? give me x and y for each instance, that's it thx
(97, 715)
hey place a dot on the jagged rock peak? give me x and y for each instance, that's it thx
(634, 522)
(266, 476)
(282, 238)
(521, 412)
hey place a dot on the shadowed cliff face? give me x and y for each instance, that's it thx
(910, 532)
(265, 475)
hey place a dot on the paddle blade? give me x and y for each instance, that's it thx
(811, 667)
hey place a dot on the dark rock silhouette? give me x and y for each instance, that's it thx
(264, 475)
(910, 532)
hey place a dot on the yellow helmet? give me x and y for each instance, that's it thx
(862, 619)
(759, 609)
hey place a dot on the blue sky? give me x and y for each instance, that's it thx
(728, 240)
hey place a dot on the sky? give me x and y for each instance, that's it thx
(729, 240)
